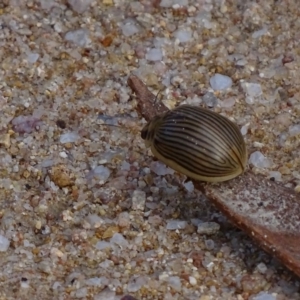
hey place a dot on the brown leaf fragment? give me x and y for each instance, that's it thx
(267, 211)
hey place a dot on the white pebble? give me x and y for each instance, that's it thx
(259, 33)
(94, 281)
(262, 268)
(210, 99)
(175, 282)
(294, 130)
(102, 245)
(244, 129)
(227, 103)
(154, 54)
(63, 154)
(33, 57)
(94, 220)
(181, 2)
(276, 175)
(183, 36)
(160, 169)
(209, 244)
(69, 137)
(257, 159)
(253, 92)
(129, 29)
(220, 82)
(192, 280)
(80, 6)
(136, 283)
(4, 243)
(166, 3)
(264, 296)
(79, 37)
(119, 240)
(138, 200)
(176, 224)
(102, 173)
(208, 228)
(189, 186)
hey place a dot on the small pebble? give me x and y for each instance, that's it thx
(210, 100)
(79, 37)
(262, 268)
(208, 228)
(129, 29)
(69, 137)
(253, 92)
(258, 160)
(276, 175)
(189, 186)
(183, 36)
(220, 82)
(154, 55)
(4, 243)
(294, 130)
(101, 173)
(119, 240)
(160, 169)
(80, 6)
(138, 200)
(209, 244)
(264, 296)
(176, 224)
(192, 280)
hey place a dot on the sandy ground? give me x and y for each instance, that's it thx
(86, 212)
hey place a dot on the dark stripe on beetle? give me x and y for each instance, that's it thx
(196, 167)
(234, 137)
(180, 150)
(199, 116)
(190, 135)
(199, 147)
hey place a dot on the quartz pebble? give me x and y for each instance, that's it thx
(264, 296)
(210, 244)
(154, 55)
(69, 137)
(257, 159)
(79, 37)
(210, 100)
(262, 268)
(138, 200)
(129, 29)
(183, 36)
(32, 57)
(220, 82)
(189, 186)
(160, 169)
(119, 240)
(208, 228)
(253, 92)
(80, 6)
(176, 224)
(101, 173)
(294, 130)
(276, 175)
(25, 124)
(4, 243)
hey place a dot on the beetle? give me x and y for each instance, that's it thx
(198, 143)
